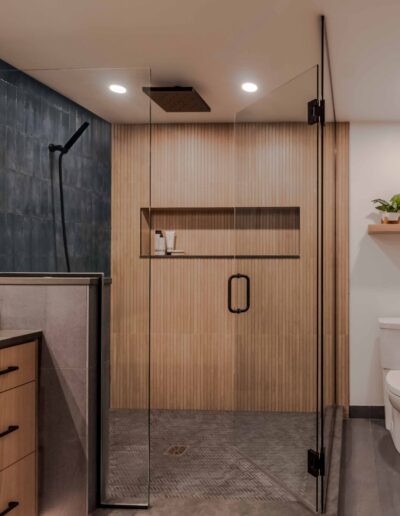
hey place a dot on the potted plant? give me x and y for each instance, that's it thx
(390, 210)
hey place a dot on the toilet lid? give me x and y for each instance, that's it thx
(393, 382)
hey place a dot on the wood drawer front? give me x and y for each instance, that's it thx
(18, 484)
(18, 408)
(22, 356)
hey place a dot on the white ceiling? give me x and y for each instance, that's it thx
(213, 45)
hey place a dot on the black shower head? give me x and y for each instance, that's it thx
(177, 99)
(64, 149)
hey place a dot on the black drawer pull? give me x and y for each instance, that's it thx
(9, 370)
(10, 430)
(11, 506)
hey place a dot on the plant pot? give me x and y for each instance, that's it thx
(390, 217)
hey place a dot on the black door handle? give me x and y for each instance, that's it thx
(10, 430)
(9, 370)
(230, 307)
(11, 506)
(247, 292)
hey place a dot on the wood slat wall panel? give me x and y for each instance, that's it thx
(130, 274)
(192, 165)
(342, 260)
(201, 355)
(276, 362)
(329, 266)
(336, 238)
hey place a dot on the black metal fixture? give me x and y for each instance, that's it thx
(230, 279)
(316, 463)
(316, 111)
(177, 99)
(9, 369)
(10, 430)
(63, 149)
(10, 507)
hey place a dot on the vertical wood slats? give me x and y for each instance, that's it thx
(342, 267)
(130, 275)
(276, 339)
(201, 355)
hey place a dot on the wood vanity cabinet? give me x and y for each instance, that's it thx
(18, 433)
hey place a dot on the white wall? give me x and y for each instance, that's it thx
(374, 260)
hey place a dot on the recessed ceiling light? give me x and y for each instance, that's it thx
(117, 88)
(249, 87)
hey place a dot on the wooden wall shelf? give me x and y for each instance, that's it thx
(225, 232)
(383, 229)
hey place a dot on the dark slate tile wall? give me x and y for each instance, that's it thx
(32, 116)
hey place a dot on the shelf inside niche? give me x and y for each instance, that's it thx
(225, 232)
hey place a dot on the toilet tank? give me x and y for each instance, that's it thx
(390, 342)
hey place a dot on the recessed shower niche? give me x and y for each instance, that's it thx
(225, 232)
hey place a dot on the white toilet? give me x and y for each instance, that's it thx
(390, 362)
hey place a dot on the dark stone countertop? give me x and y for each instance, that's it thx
(10, 338)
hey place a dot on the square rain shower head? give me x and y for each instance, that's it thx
(177, 99)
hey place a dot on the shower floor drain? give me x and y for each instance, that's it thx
(176, 450)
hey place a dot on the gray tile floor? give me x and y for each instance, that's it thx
(370, 476)
(236, 456)
(370, 483)
(236, 464)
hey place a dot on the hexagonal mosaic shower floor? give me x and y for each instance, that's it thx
(207, 454)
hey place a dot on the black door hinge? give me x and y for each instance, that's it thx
(316, 112)
(316, 463)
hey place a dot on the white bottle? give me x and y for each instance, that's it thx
(170, 238)
(159, 243)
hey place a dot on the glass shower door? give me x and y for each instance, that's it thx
(276, 304)
(192, 333)
(125, 431)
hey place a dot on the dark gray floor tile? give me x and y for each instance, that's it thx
(370, 470)
(359, 489)
(387, 463)
(332, 489)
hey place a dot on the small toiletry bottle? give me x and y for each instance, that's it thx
(170, 238)
(159, 243)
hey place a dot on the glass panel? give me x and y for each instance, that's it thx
(330, 279)
(276, 228)
(47, 107)
(192, 331)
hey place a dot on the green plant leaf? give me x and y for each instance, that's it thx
(396, 200)
(381, 201)
(381, 204)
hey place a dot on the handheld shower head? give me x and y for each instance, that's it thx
(64, 149)
(75, 136)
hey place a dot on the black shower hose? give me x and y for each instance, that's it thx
(64, 231)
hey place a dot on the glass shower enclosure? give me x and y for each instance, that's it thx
(217, 379)
(222, 350)
(217, 374)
